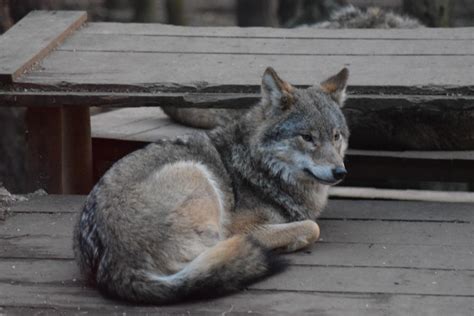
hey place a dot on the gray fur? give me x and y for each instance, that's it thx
(372, 18)
(131, 242)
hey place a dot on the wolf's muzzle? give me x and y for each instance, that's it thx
(339, 173)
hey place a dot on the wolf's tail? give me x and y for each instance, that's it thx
(229, 265)
(203, 118)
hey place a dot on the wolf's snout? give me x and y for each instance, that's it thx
(339, 173)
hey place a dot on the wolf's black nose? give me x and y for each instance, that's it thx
(339, 173)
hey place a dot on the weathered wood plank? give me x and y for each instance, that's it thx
(404, 244)
(399, 211)
(388, 233)
(260, 32)
(96, 68)
(50, 204)
(371, 280)
(377, 232)
(295, 278)
(416, 154)
(336, 209)
(267, 46)
(42, 228)
(402, 195)
(67, 299)
(452, 257)
(31, 39)
(142, 95)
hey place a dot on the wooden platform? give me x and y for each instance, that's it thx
(374, 258)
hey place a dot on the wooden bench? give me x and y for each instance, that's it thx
(58, 66)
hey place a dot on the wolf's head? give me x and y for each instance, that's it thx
(301, 135)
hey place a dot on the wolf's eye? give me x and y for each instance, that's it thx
(337, 136)
(307, 138)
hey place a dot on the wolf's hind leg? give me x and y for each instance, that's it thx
(287, 237)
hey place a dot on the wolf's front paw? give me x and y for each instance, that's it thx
(308, 234)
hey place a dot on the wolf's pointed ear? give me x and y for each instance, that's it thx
(276, 91)
(336, 86)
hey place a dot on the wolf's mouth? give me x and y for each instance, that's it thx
(323, 181)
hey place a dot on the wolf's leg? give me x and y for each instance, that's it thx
(287, 237)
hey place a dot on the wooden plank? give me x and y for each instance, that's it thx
(381, 244)
(399, 211)
(452, 257)
(67, 299)
(96, 68)
(268, 46)
(31, 39)
(390, 233)
(261, 32)
(410, 195)
(50, 204)
(416, 154)
(336, 209)
(148, 97)
(148, 124)
(126, 99)
(295, 278)
(339, 231)
(371, 280)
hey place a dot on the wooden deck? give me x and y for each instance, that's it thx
(374, 258)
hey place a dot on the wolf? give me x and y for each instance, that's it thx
(206, 214)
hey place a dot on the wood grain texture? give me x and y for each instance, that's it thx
(301, 278)
(265, 46)
(58, 300)
(32, 38)
(410, 211)
(403, 195)
(400, 73)
(49, 236)
(261, 32)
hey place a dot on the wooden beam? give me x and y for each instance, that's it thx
(59, 149)
(32, 38)
(262, 32)
(405, 195)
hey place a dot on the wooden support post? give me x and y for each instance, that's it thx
(59, 150)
